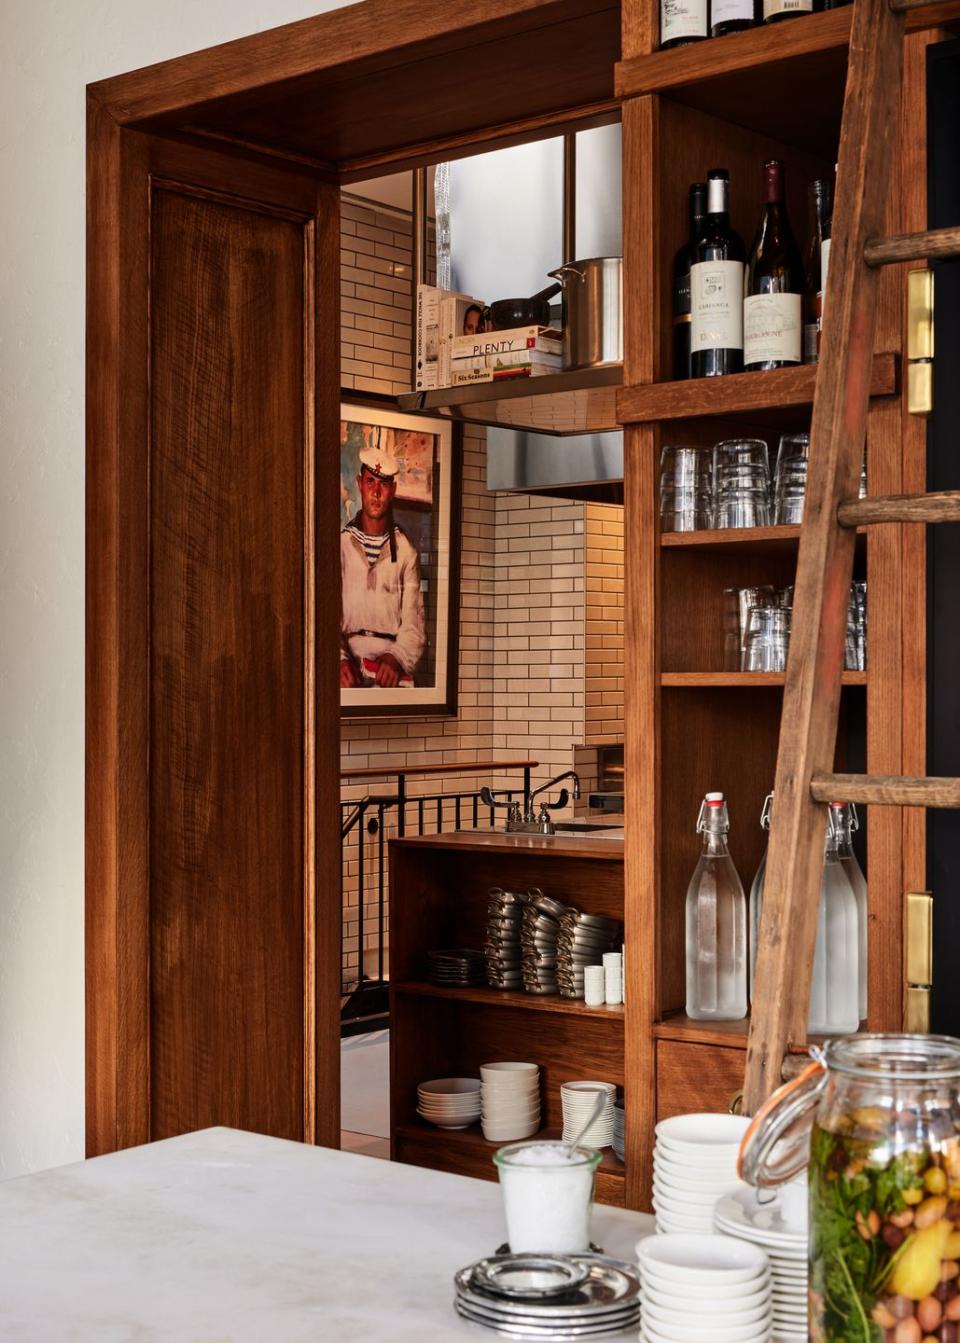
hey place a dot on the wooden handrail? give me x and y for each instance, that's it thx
(467, 767)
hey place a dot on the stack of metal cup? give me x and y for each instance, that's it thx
(538, 938)
(501, 948)
(582, 941)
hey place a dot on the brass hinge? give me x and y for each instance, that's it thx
(919, 960)
(920, 341)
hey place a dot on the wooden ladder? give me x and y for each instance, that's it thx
(804, 783)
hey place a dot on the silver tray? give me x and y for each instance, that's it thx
(606, 1328)
(610, 1288)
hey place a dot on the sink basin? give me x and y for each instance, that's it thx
(585, 827)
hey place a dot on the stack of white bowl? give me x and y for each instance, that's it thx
(449, 1102)
(694, 1163)
(578, 1100)
(704, 1289)
(776, 1220)
(509, 1101)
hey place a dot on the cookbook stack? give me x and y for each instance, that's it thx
(495, 356)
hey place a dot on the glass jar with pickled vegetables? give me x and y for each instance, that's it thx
(877, 1120)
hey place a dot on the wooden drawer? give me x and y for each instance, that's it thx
(696, 1077)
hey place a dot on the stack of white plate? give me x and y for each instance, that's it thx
(510, 1101)
(697, 1289)
(694, 1163)
(578, 1100)
(618, 1129)
(449, 1102)
(776, 1220)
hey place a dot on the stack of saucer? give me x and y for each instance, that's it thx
(618, 1132)
(449, 1102)
(509, 1100)
(582, 941)
(578, 1100)
(550, 1296)
(694, 1163)
(698, 1288)
(501, 949)
(538, 937)
(775, 1220)
(457, 968)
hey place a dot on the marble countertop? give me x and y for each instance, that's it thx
(229, 1237)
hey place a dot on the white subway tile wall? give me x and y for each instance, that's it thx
(531, 683)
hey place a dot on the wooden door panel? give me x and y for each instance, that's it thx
(226, 666)
(212, 700)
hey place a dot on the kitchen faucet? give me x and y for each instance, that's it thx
(529, 821)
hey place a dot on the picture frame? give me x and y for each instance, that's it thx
(381, 617)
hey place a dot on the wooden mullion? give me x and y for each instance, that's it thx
(825, 559)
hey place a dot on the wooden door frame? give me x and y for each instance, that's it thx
(117, 875)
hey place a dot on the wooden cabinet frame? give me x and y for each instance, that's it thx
(380, 86)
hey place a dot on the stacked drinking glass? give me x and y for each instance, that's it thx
(686, 489)
(741, 483)
(790, 483)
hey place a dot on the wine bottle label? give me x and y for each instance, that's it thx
(771, 8)
(824, 266)
(730, 11)
(716, 304)
(682, 18)
(772, 328)
(681, 299)
(811, 342)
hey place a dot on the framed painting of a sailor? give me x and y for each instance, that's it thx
(398, 564)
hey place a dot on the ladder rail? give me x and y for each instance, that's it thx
(825, 559)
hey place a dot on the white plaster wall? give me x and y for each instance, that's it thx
(51, 50)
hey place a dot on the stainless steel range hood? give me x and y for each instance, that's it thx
(577, 466)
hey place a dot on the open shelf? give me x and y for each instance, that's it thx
(747, 395)
(503, 998)
(733, 539)
(727, 1034)
(785, 80)
(467, 1152)
(577, 402)
(696, 679)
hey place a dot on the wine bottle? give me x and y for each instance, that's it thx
(825, 257)
(773, 294)
(732, 16)
(681, 281)
(716, 288)
(775, 10)
(818, 198)
(682, 21)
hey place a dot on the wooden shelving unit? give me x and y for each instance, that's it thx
(582, 401)
(741, 679)
(467, 1152)
(439, 889)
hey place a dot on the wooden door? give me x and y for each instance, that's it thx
(212, 713)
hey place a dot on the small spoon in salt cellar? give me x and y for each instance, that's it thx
(595, 1114)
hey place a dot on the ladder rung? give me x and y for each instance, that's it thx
(885, 789)
(928, 246)
(941, 507)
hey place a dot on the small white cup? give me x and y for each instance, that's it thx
(594, 985)
(613, 977)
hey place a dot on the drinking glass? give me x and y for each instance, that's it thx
(741, 483)
(686, 489)
(855, 647)
(765, 643)
(791, 479)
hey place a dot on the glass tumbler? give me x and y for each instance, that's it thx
(766, 640)
(547, 1196)
(790, 484)
(686, 489)
(741, 483)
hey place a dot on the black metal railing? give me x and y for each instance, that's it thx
(366, 825)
